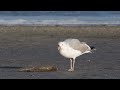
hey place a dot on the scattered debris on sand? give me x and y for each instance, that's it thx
(39, 69)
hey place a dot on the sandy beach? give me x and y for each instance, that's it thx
(27, 46)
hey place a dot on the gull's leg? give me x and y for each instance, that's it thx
(71, 65)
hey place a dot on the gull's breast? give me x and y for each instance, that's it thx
(70, 53)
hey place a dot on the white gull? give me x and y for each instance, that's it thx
(72, 48)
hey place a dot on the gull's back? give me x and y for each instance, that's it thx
(77, 45)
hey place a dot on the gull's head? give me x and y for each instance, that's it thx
(61, 45)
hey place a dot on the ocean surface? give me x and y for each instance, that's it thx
(59, 17)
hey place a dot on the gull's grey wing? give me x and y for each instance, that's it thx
(77, 45)
(72, 41)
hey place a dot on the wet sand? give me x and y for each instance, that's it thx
(28, 46)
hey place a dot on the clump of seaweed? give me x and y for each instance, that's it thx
(39, 69)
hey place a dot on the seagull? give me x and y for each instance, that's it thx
(72, 48)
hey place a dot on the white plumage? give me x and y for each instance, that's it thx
(72, 48)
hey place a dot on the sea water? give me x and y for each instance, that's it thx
(59, 17)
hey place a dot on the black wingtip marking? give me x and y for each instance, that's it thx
(92, 47)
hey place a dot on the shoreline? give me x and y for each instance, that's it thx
(68, 25)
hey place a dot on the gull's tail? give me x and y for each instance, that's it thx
(92, 48)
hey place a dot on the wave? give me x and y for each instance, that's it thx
(55, 22)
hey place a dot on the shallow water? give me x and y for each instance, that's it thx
(104, 63)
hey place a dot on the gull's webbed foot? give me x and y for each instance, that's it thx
(70, 69)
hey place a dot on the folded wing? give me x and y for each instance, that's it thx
(77, 45)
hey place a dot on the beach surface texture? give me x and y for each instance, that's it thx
(33, 46)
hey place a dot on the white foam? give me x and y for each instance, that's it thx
(56, 21)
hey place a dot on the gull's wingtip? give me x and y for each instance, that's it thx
(92, 48)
